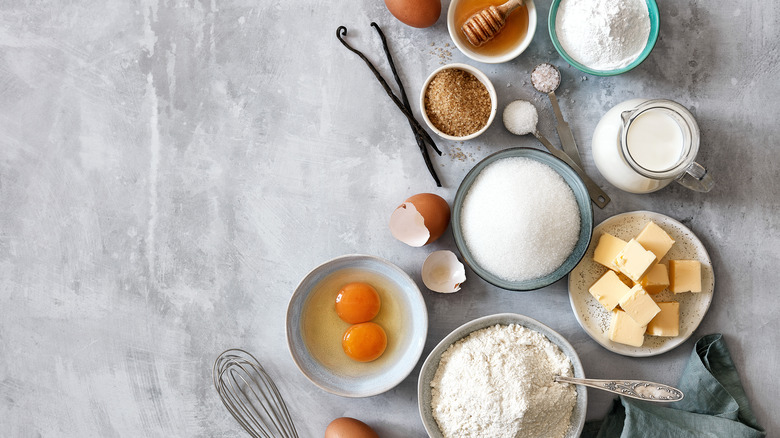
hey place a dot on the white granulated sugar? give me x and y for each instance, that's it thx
(603, 34)
(520, 219)
(498, 382)
(520, 117)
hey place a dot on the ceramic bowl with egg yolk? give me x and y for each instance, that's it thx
(315, 331)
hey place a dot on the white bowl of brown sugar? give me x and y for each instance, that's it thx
(458, 102)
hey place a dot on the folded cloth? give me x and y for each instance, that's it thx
(715, 404)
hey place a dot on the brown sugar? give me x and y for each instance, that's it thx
(457, 103)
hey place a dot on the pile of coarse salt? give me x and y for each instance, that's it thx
(520, 219)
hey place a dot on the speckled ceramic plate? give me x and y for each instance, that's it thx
(595, 319)
(431, 364)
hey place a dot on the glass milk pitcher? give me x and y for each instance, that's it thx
(642, 145)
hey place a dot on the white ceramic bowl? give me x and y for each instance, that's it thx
(465, 47)
(431, 364)
(482, 78)
(339, 374)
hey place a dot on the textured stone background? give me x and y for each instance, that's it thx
(169, 170)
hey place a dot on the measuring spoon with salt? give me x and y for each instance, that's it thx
(546, 78)
(521, 117)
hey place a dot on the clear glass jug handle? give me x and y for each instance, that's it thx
(696, 178)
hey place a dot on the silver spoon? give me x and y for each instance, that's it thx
(639, 389)
(527, 111)
(546, 78)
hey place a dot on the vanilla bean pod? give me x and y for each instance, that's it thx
(418, 129)
(405, 100)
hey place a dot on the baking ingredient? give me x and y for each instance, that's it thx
(624, 330)
(639, 306)
(402, 102)
(442, 272)
(514, 31)
(609, 289)
(322, 330)
(520, 117)
(607, 250)
(656, 280)
(420, 220)
(364, 342)
(654, 239)
(545, 78)
(457, 103)
(634, 260)
(415, 13)
(498, 382)
(667, 322)
(357, 302)
(346, 427)
(684, 276)
(603, 34)
(655, 140)
(520, 219)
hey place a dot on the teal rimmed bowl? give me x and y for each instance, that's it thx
(580, 195)
(655, 24)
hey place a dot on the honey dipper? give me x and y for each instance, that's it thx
(488, 22)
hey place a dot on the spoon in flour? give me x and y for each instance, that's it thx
(520, 118)
(639, 389)
(546, 78)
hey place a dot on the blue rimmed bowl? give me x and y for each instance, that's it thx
(580, 195)
(655, 24)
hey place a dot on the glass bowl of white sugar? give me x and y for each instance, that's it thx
(522, 219)
(604, 37)
(494, 376)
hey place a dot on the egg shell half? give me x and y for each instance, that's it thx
(420, 220)
(346, 427)
(415, 13)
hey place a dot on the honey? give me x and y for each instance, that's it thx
(514, 29)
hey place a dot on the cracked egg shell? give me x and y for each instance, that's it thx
(443, 272)
(420, 220)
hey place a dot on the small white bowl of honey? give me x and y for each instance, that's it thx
(508, 44)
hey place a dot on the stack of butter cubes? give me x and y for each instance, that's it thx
(636, 273)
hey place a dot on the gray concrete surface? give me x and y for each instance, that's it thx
(169, 170)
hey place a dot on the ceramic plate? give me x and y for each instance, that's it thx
(314, 330)
(431, 364)
(595, 319)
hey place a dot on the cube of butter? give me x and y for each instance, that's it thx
(654, 239)
(634, 260)
(656, 279)
(639, 306)
(623, 329)
(684, 276)
(609, 290)
(667, 322)
(608, 248)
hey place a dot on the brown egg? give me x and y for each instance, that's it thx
(420, 220)
(415, 13)
(346, 427)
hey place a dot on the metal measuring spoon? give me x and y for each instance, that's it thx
(546, 78)
(639, 389)
(521, 119)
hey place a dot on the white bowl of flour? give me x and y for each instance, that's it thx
(493, 377)
(604, 37)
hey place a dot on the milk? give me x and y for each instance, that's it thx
(655, 140)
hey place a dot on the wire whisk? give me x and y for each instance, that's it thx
(250, 395)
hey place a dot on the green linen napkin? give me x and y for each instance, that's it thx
(715, 404)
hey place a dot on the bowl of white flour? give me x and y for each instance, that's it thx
(604, 37)
(494, 377)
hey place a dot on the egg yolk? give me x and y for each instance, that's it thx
(357, 302)
(364, 342)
